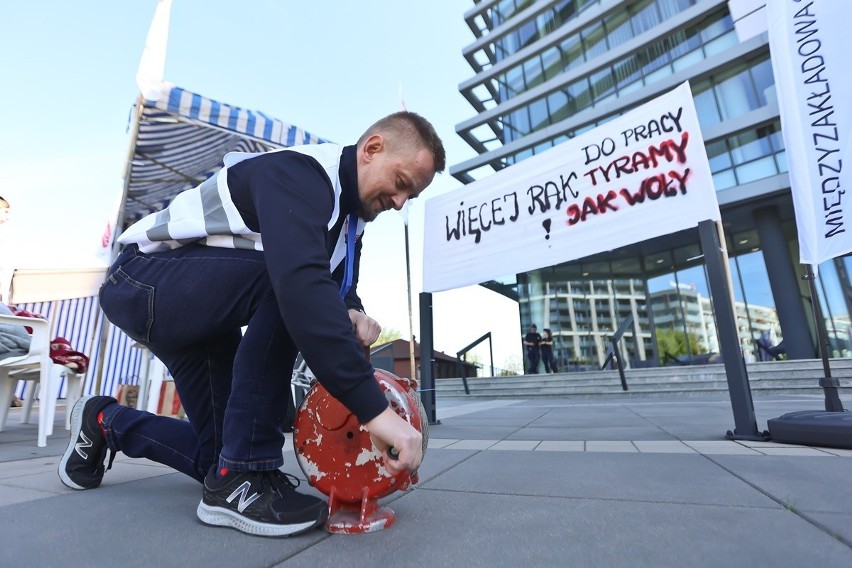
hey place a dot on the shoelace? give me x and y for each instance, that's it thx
(111, 459)
(281, 482)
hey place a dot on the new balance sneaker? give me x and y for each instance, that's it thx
(82, 464)
(263, 503)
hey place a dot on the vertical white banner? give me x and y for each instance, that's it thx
(639, 176)
(809, 41)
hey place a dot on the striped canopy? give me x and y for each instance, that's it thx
(180, 139)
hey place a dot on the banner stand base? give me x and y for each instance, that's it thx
(813, 428)
(751, 437)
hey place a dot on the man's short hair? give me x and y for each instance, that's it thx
(406, 125)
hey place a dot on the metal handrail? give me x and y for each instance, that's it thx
(461, 355)
(615, 353)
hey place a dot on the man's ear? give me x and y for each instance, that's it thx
(373, 145)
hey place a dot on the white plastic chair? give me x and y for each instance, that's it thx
(38, 367)
(152, 372)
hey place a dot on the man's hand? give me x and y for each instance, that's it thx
(367, 329)
(388, 430)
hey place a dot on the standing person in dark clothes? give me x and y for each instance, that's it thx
(271, 242)
(531, 341)
(547, 351)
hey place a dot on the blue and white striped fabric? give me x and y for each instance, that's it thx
(80, 321)
(180, 141)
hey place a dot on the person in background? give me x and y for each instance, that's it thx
(531, 341)
(271, 242)
(547, 351)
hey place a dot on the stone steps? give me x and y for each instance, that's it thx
(775, 377)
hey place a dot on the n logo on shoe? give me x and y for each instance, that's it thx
(242, 491)
(80, 446)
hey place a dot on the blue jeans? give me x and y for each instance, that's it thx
(188, 306)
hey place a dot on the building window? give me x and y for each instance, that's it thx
(598, 37)
(545, 23)
(645, 17)
(746, 156)
(680, 49)
(736, 94)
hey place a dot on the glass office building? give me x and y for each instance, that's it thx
(548, 70)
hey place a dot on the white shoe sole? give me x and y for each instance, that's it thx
(220, 517)
(76, 426)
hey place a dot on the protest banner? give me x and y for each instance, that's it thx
(639, 176)
(809, 45)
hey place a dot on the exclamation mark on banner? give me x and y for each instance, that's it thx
(546, 225)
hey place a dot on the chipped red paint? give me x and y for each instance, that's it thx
(338, 458)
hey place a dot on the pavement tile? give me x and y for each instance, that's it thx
(480, 422)
(839, 524)
(620, 418)
(465, 432)
(150, 522)
(524, 445)
(697, 432)
(590, 432)
(487, 530)
(759, 444)
(9, 470)
(121, 458)
(813, 452)
(514, 413)
(610, 446)
(471, 445)
(120, 473)
(561, 446)
(720, 447)
(838, 452)
(663, 447)
(555, 505)
(459, 407)
(436, 463)
(16, 451)
(440, 442)
(674, 478)
(10, 495)
(807, 484)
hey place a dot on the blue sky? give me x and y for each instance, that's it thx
(69, 71)
(330, 67)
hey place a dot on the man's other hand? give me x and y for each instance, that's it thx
(367, 329)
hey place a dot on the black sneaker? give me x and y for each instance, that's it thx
(263, 503)
(82, 465)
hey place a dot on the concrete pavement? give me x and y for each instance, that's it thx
(547, 482)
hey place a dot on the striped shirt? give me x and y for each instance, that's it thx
(299, 199)
(206, 214)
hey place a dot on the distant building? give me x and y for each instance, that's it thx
(395, 357)
(547, 71)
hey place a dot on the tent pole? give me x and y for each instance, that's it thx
(119, 222)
